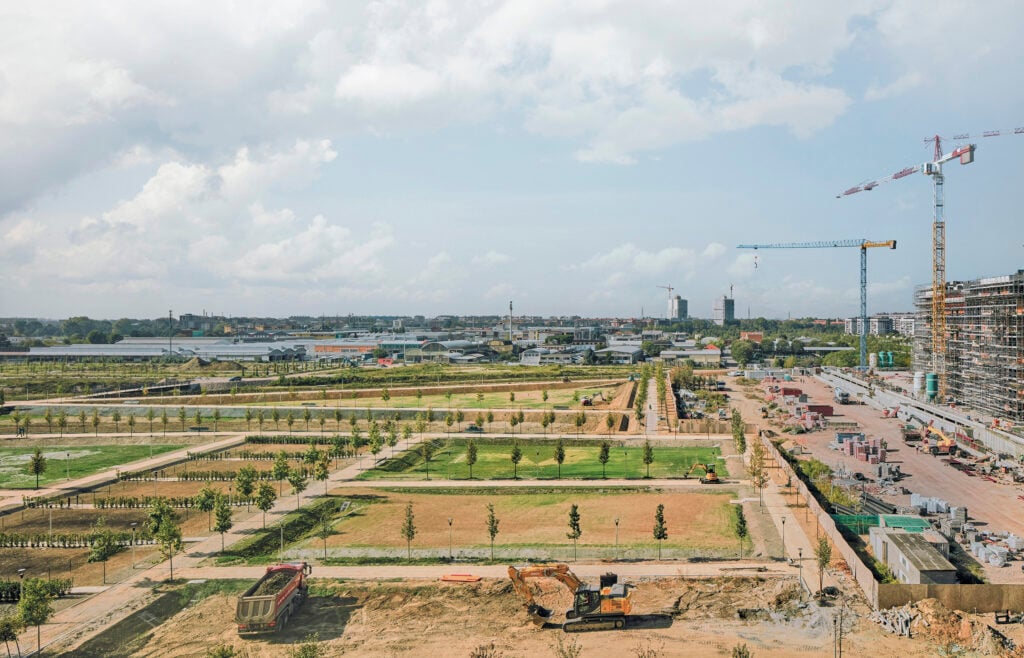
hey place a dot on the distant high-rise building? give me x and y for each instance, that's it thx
(724, 310)
(677, 307)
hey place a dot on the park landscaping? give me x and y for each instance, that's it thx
(73, 461)
(449, 461)
(533, 522)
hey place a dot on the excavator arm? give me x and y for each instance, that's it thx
(560, 572)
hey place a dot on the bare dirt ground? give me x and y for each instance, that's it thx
(695, 519)
(676, 617)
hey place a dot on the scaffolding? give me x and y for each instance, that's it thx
(984, 343)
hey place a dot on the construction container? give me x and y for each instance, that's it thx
(823, 409)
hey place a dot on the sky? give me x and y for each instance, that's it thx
(295, 157)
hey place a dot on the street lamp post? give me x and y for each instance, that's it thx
(800, 570)
(450, 555)
(616, 536)
(21, 581)
(282, 539)
(67, 464)
(783, 538)
(133, 525)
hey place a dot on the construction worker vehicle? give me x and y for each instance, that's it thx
(600, 608)
(266, 606)
(941, 444)
(710, 476)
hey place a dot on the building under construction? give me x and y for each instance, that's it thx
(985, 348)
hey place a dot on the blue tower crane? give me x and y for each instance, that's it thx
(863, 245)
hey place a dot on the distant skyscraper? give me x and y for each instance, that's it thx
(677, 308)
(724, 310)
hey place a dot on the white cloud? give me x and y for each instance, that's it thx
(714, 250)
(900, 85)
(491, 259)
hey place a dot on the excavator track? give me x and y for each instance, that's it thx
(588, 624)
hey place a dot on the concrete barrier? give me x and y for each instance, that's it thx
(969, 598)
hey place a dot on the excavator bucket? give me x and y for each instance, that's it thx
(539, 615)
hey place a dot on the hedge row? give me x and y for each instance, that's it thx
(133, 502)
(64, 539)
(10, 590)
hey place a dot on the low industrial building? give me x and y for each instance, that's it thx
(913, 554)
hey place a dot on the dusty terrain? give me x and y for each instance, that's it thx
(991, 506)
(675, 617)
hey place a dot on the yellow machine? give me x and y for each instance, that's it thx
(943, 445)
(710, 476)
(593, 609)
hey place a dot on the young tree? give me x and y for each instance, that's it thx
(324, 529)
(216, 418)
(81, 419)
(205, 500)
(312, 454)
(459, 417)
(164, 420)
(298, 481)
(131, 424)
(544, 422)
(150, 415)
(322, 420)
(511, 396)
(261, 418)
(48, 417)
(648, 457)
(265, 497)
(427, 451)
(449, 420)
(392, 436)
(544, 395)
(62, 422)
(37, 464)
(757, 470)
(823, 556)
(322, 471)
(290, 420)
(480, 419)
(222, 514)
(575, 531)
(95, 420)
(609, 422)
(660, 529)
(385, 395)
(409, 529)
(104, 545)
(559, 456)
(182, 415)
(490, 419)
(275, 415)
(337, 419)
(492, 526)
(10, 623)
(162, 524)
(580, 420)
(471, 456)
(307, 415)
(245, 483)
(513, 420)
(516, 457)
(34, 607)
(248, 419)
(406, 434)
(280, 469)
(116, 417)
(603, 455)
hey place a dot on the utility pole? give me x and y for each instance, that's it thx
(170, 331)
(510, 321)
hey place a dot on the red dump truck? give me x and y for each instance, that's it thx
(266, 606)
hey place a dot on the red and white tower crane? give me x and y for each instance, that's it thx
(965, 154)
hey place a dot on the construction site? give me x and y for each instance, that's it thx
(984, 358)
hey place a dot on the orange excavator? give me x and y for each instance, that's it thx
(710, 476)
(593, 609)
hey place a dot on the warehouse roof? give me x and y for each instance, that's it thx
(922, 555)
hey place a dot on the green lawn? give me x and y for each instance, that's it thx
(581, 461)
(465, 401)
(78, 461)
